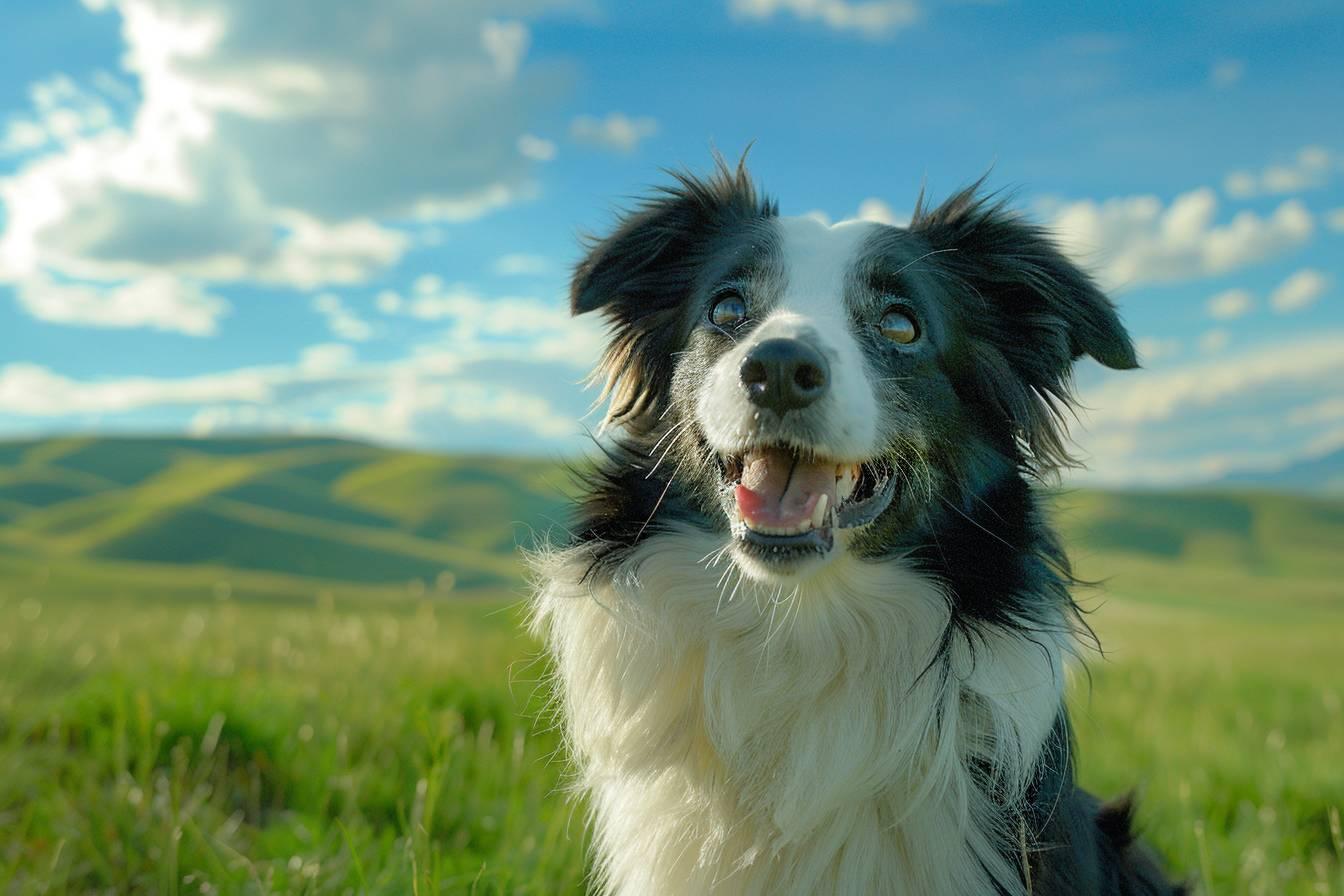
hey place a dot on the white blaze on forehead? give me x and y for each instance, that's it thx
(816, 264)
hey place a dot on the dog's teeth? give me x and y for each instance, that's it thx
(819, 512)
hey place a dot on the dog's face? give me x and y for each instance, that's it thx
(813, 390)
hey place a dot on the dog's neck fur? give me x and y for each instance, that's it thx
(735, 738)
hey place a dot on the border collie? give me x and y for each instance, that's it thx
(811, 626)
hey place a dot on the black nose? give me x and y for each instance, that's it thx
(784, 374)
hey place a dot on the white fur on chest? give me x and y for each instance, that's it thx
(755, 741)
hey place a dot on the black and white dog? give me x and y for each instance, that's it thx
(811, 629)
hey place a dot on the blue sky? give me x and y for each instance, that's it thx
(322, 216)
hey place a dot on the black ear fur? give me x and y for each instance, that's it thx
(1044, 313)
(641, 275)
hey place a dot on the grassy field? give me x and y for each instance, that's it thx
(262, 719)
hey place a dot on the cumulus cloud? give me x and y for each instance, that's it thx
(876, 210)
(1133, 240)
(1156, 395)
(539, 149)
(262, 149)
(1230, 304)
(343, 322)
(870, 18)
(477, 327)
(1335, 218)
(63, 112)
(1309, 169)
(391, 401)
(36, 391)
(870, 209)
(1197, 421)
(413, 401)
(158, 301)
(616, 132)
(1299, 291)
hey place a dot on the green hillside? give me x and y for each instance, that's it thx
(337, 510)
(321, 508)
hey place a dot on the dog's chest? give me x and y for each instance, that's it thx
(766, 742)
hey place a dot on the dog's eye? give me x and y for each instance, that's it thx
(898, 326)
(728, 310)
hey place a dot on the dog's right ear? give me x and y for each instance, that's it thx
(641, 276)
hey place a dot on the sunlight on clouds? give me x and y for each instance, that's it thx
(871, 18)
(1310, 169)
(243, 162)
(343, 322)
(1255, 409)
(1230, 304)
(36, 391)
(1149, 395)
(1299, 291)
(158, 301)
(412, 402)
(1133, 240)
(326, 357)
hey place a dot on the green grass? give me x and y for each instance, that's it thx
(346, 722)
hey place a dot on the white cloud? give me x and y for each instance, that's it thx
(343, 322)
(1335, 218)
(413, 402)
(158, 301)
(1309, 169)
(871, 18)
(1149, 396)
(397, 401)
(1230, 304)
(876, 210)
(1214, 340)
(257, 150)
(506, 43)
(1152, 350)
(539, 149)
(63, 112)
(519, 264)
(1226, 72)
(35, 391)
(1134, 240)
(870, 209)
(246, 418)
(616, 132)
(1299, 291)
(326, 357)
(1201, 419)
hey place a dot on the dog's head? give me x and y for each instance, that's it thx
(813, 390)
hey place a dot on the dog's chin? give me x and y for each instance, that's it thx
(791, 511)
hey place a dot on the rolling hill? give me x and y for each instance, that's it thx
(302, 510)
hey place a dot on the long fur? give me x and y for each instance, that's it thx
(892, 723)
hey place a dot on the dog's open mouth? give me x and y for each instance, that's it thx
(783, 502)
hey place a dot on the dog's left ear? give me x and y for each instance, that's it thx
(1044, 313)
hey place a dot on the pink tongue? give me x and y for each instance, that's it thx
(778, 492)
